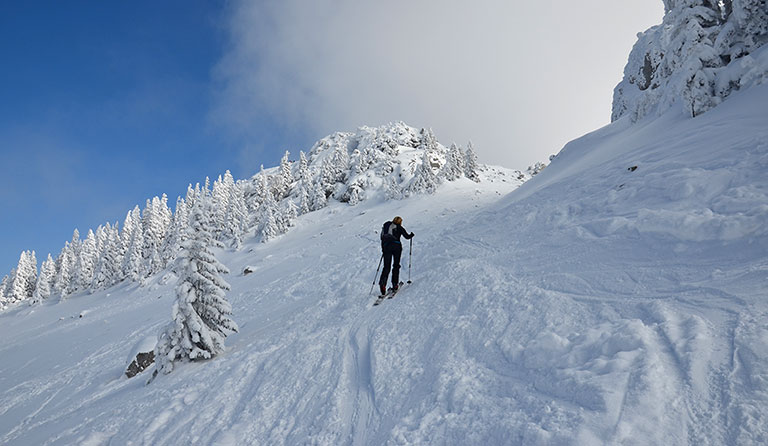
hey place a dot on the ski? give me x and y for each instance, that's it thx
(389, 294)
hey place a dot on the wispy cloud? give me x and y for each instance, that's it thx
(517, 78)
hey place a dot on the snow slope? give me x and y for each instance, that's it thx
(593, 305)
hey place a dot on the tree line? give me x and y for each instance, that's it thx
(347, 167)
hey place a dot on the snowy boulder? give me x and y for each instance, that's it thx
(142, 356)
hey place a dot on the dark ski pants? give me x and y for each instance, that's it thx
(392, 253)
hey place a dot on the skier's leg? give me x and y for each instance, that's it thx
(386, 268)
(396, 267)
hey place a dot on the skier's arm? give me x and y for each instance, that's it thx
(406, 234)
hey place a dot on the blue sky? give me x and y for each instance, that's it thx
(106, 104)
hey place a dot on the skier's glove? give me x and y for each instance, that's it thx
(411, 234)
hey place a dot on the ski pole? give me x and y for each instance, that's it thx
(410, 254)
(377, 273)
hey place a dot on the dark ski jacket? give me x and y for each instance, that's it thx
(390, 234)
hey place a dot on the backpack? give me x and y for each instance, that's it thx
(388, 232)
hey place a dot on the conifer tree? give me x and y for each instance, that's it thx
(424, 180)
(470, 164)
(3, 293)
(305, 202)
(290, 213)
(44, 281)
(154, 226)
(236, 215)
(108, 265)
(85, 268)
(285, 178)
(454, 164)
(133, 260)
(319, 199)
(25, 278)
(201, 313)
(304, 175)
(220, 204)
(393, 190)
(178, 230)
(65, 265)
(270, 219)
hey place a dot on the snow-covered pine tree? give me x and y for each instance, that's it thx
(319, 199)
(154, 225)
(353, 194)
(305, 202)
(424, 181)
(304, 175)
(201, 313)
(178, 229)
(751, 16)
(110, 260)
(44, 281)
(85, 268)
(220, 204)
(236, 217)
(393, 190)
(285, 178)
(537, 167)
(289, 214)
(24, 280)
(696, 58)
(328, 175)
(454, 164)
(133, 260)
(4, 284)
(65, 263)
(470, 164)
(270, 219)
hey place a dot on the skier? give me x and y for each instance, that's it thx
(391, 249)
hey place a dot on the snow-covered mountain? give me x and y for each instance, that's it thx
(390, 162)
(617, 297)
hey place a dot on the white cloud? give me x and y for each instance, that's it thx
(519, 79)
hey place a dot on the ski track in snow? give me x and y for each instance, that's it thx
(592, 306)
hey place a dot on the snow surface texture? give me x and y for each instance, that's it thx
(596, 304)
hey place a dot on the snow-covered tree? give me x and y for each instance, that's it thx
(222, 188)
(44, 281)
(24, 279)
(694, 59)
(236, 216)
(85, 266)
(318, 196)
(393, 190)
(285, 178)
(536, 168)
(270, 219)
(110, 260)
(304, 168)
(471, 169)
(305, 201)
(4, 290)
(201, 313)
(154, 227)
(65, 264)
(454, 164)
(178, 229)
(133, 259)
(289, 214)
(424, 181)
